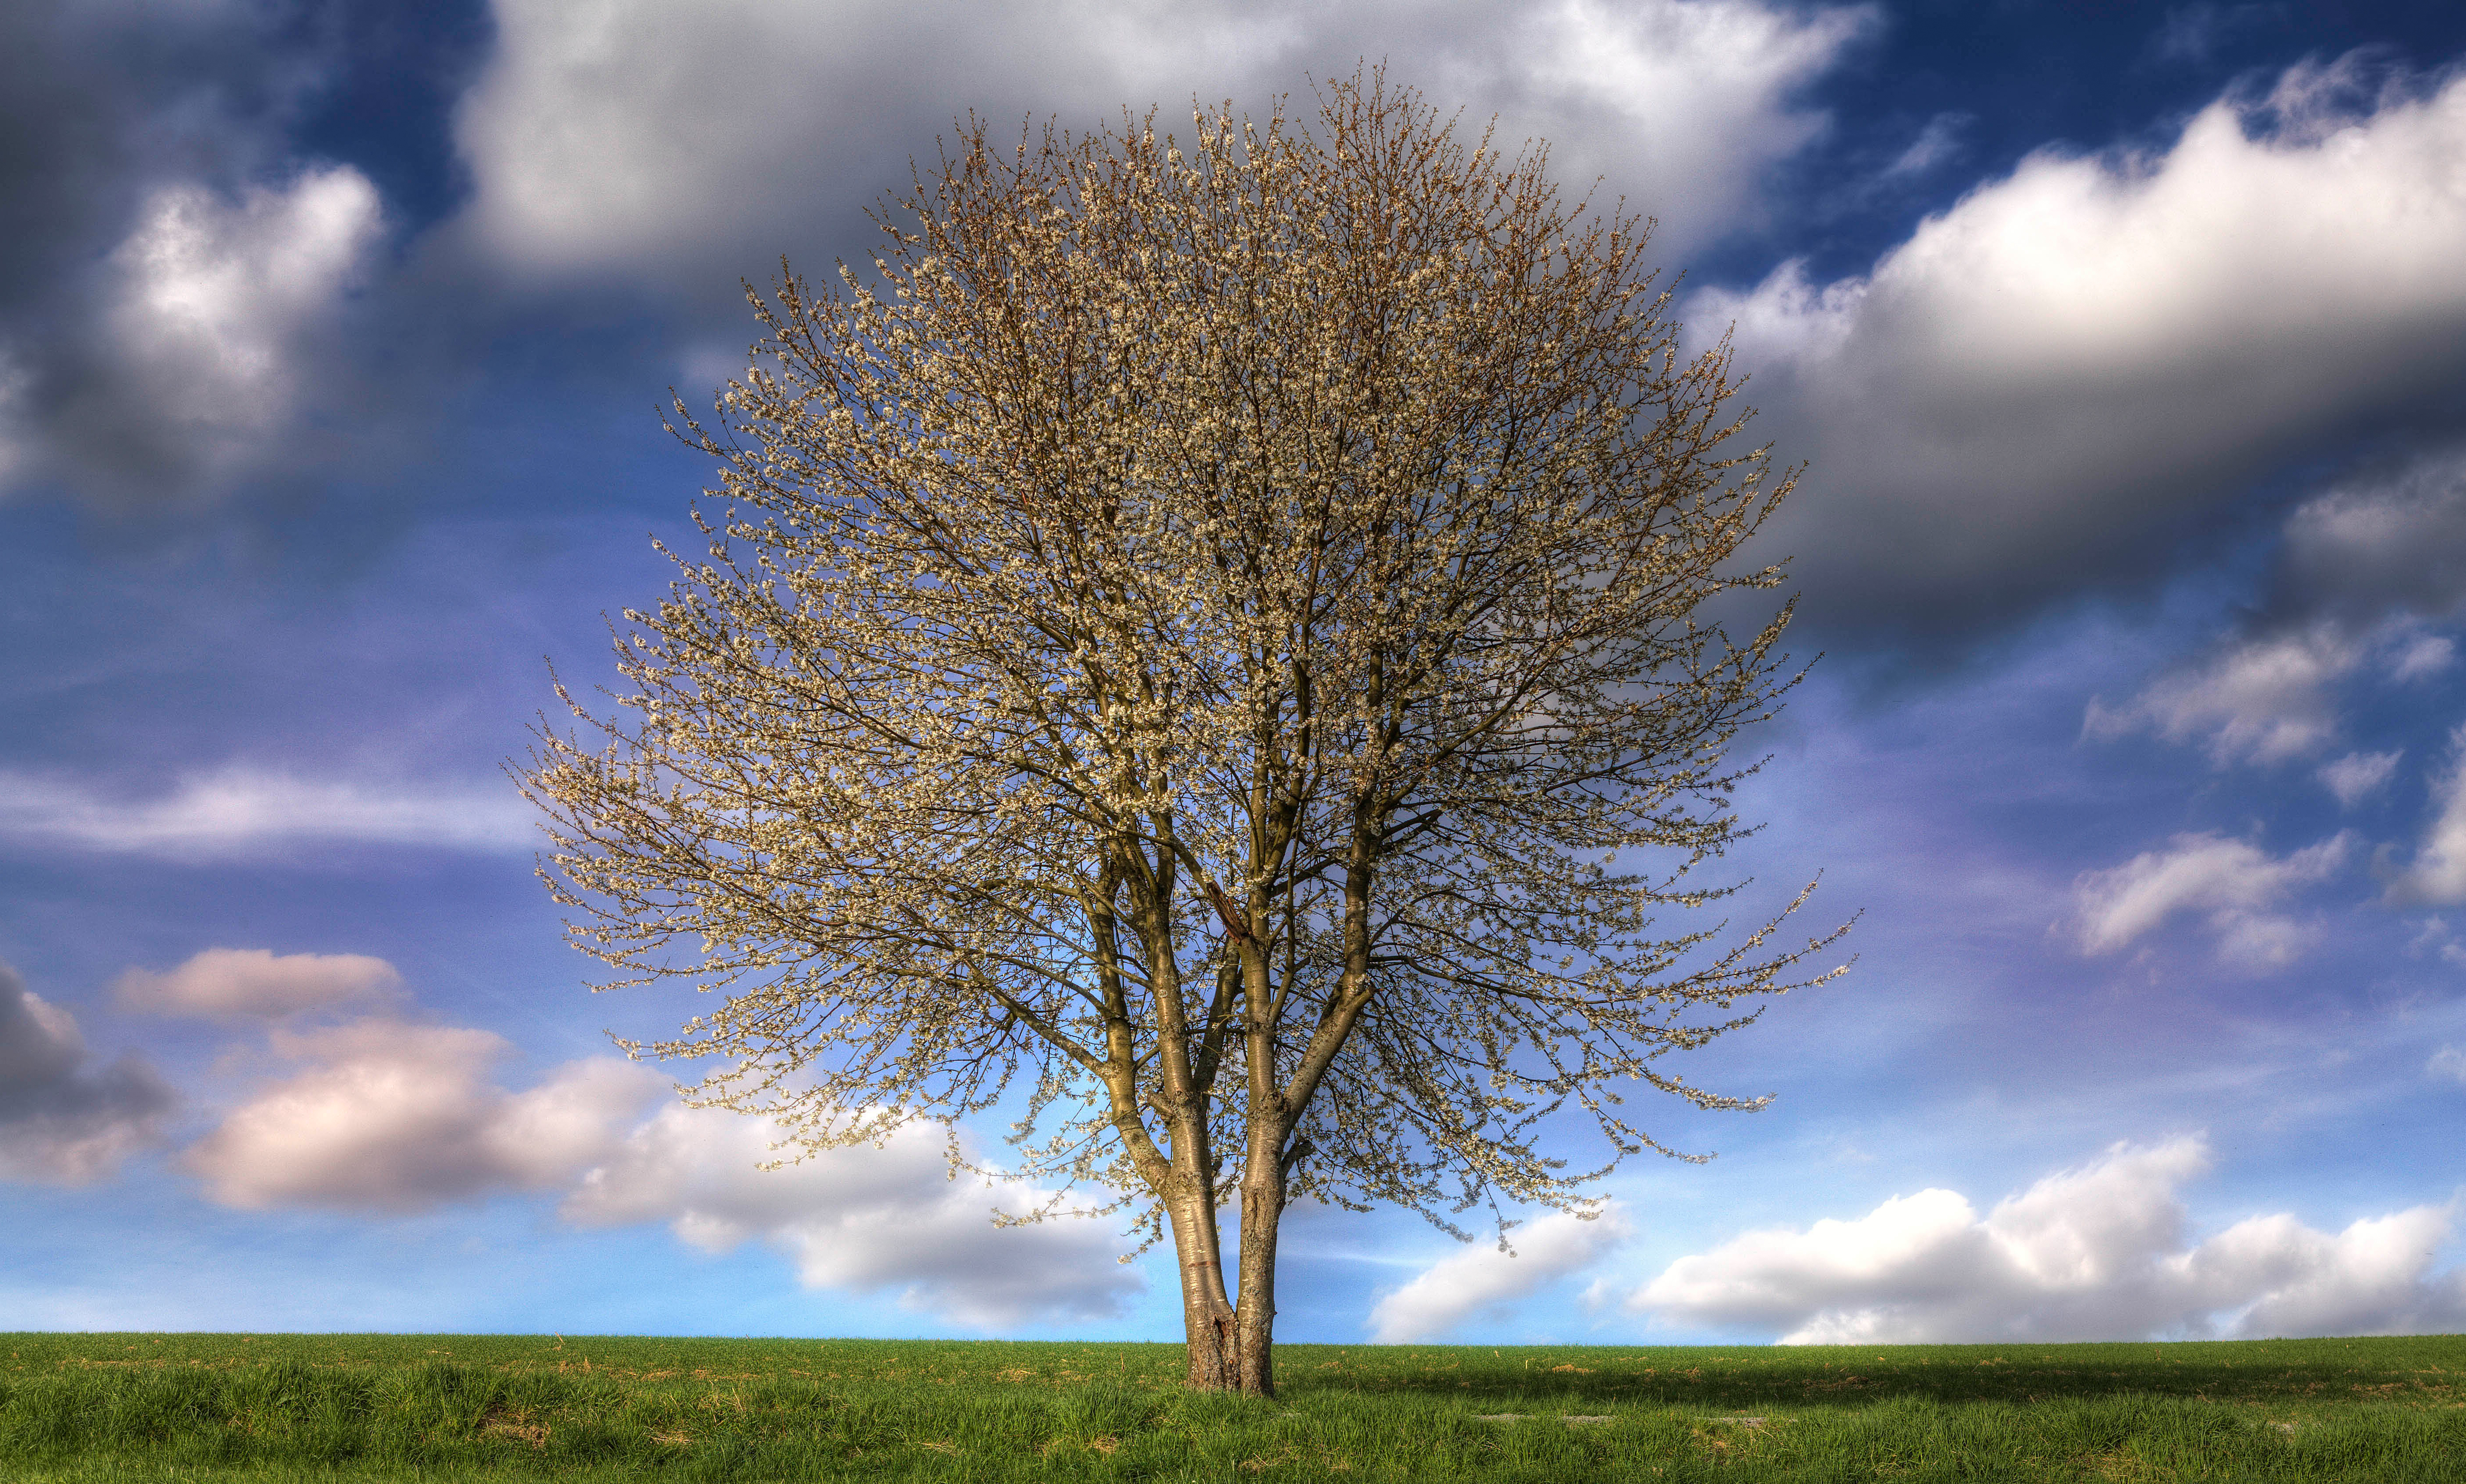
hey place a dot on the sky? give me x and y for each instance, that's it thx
(2125, 346)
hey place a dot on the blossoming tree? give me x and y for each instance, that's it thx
(1205, 649)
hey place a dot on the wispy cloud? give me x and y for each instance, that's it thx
(245, 811)
(2437, 874)
(2233, 881)
(2358, 776)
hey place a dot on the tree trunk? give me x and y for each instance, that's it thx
(1207, 1317)
(1263, 1206)
(1230, 1343)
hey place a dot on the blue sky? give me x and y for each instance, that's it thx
(2126, 344)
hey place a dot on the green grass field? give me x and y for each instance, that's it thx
(91, 1408)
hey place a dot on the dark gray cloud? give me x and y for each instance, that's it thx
(173, 276)
(200, 302)
(61, 1122)
(2381, 542)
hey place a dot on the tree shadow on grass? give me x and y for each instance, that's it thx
(2415, 1370)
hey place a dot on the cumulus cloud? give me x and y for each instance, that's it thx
(624, 137)
(385, 1116)
(61, 1122)
(865, 1218)
(2094, 1253)
(245, 811)
(1455, 1289)
(2232, 881)
(2436, 875)
(2358, 776)
(228, 983)
(2043, 377)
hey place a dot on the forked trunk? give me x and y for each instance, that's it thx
(1231, 1336)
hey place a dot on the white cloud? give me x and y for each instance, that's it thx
(2358, 776)
(232, 983)
(2437, 874)
(61, 1121)
(1457, 1288)
(2094, 1253)
(865, 1218)
(624, 136)
(2085, 350)
(2447, 1061)
(393, 1117)
(2231, 880)
(244, 812)
(2258, 700)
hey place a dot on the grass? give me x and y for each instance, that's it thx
(83, 1408)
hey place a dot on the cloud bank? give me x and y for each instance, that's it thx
(868, 1219)
(2092, 1253)
(627, 137)
(1459, 1288)
(386, 1118)
(2079, 355)
(62, 1122)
